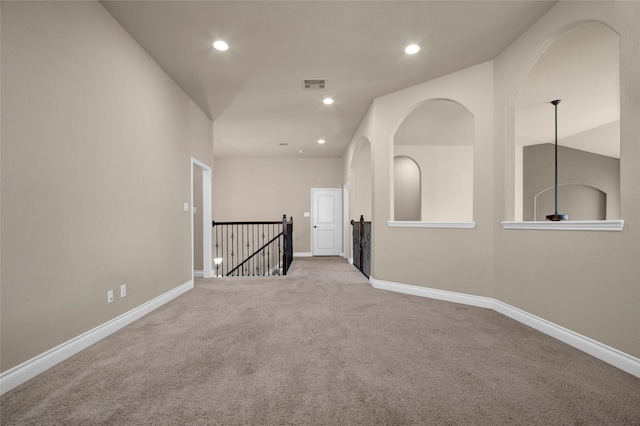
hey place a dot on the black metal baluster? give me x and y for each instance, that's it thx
(253, 247)
(251, 265)
(263, 240)
(250, 248)
(279, 253)
(228, 251)
(268, 258)
(261, 261)
(217, 234)
(243, 257)
(233, 246)
(266, 264)
(278, 246)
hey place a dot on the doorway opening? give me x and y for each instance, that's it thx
(201, 219)
(326, 221)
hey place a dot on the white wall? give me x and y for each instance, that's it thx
(584, 281)
(447, 180)
(432, 257)
(96, 164)
(362, 183)
(407, 190)
(263, 189)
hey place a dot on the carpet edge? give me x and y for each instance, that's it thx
(29, 369)
(621, 360)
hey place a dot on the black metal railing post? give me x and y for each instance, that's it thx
(284, 251)
(287, 255)
(361, 233)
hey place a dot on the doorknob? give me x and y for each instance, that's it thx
(315, 226)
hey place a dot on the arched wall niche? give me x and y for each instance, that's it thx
(407, 189)
(579, 65)
(361, 181)
(587, 202)
(438, 135)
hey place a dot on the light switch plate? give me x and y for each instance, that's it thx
(307, 214)
(186, 207)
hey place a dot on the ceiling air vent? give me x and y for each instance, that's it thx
(314, 84)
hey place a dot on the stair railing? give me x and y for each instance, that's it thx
(362, 245)
(253, 248)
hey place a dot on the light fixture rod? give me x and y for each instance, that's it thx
(555, 106)
(556, 216)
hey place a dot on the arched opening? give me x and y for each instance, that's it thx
(439, 137)
(582, 69)
(361, 181)
(360, 204)
(581, 202)
(407, 189)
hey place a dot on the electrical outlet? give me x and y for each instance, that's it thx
(110, 296)
(123, 290)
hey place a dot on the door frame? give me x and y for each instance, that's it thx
(207, 269)
(346, 241)
(339, 217)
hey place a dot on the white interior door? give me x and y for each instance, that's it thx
(326, 221)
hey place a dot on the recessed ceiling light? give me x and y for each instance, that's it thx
(327, 101)
(412, 49)
(301, 152)
(220, 45)
(321, 141)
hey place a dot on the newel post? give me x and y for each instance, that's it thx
(284, 244)
(361, 232)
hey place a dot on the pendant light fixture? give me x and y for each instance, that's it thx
(556, 216)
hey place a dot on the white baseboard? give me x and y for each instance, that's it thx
(198, 274)
(618, 359)
(448, 296)
(303, 254)
(18, 375)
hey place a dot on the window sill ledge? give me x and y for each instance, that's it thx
(421, 224)
(569, 225)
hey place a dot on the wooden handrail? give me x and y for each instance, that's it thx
(214, 223)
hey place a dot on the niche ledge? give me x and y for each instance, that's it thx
(568, 225)
(421, 224)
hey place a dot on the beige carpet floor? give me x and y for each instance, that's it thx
(321, 347)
